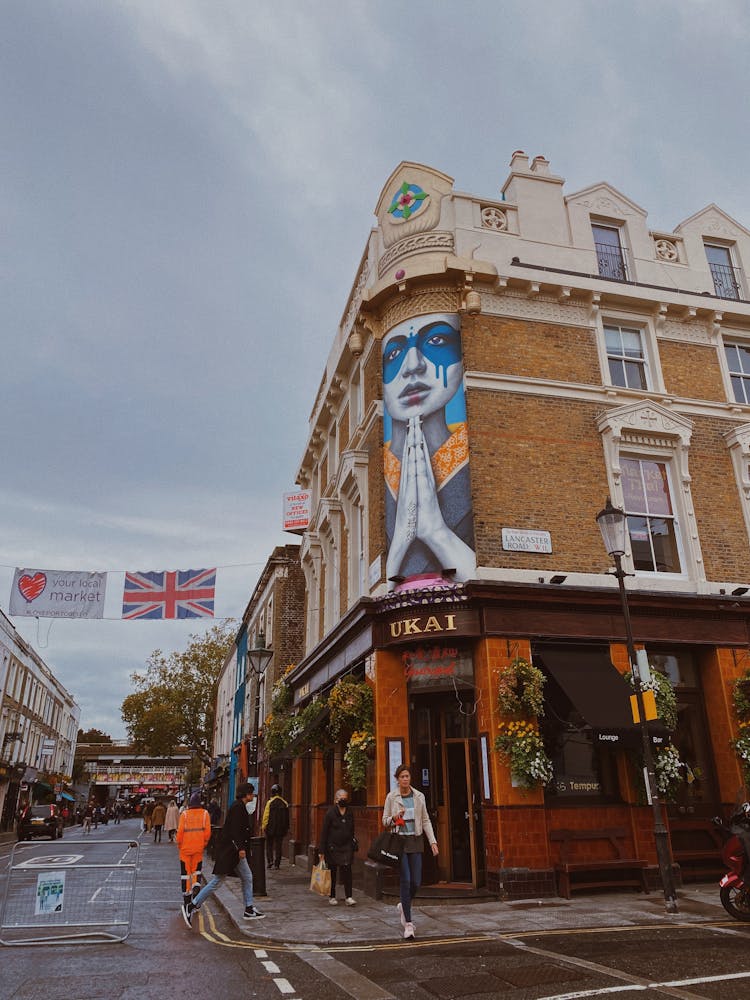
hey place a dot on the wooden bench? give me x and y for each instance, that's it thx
(614, 871)
(696, 847)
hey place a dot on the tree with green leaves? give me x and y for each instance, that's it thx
(93, 736)
(174, 698)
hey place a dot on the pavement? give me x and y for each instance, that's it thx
(297, 917)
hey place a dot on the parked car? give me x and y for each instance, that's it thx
(40, 821)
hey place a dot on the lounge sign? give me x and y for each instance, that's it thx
(429, 625)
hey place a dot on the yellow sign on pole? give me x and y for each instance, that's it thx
(649, 706)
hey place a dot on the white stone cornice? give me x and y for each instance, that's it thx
(498, 382)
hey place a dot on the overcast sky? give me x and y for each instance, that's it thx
(186, 187)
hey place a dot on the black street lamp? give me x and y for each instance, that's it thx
(258, 659)
(613, 525)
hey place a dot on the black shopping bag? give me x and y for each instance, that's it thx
(387, 848)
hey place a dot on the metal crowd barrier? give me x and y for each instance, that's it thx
(76, 892)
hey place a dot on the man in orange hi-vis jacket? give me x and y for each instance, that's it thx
(193, 833)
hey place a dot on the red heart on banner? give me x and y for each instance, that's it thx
(32, 586)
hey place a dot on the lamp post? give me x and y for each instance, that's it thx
(258, 659)
(613, 525)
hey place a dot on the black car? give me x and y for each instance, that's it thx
(40, 821)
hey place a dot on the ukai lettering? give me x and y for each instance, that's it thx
(416, 626)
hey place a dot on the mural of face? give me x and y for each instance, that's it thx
(422, 368)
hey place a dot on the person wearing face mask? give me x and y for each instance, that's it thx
(429, 523)
(337, 845)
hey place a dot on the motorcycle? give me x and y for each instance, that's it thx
(734, 892)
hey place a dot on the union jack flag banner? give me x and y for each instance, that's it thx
(183, 593)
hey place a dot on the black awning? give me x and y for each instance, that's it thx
(598, 692)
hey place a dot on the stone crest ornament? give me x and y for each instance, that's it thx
(410, 204)
(666, 250)
(494, 218)
(407, 201)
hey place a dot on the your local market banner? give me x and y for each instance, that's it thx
(46, 593)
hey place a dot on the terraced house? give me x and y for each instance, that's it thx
(503, 365)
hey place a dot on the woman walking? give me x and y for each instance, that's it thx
(337, 845)
(172, 819)
(405, 810)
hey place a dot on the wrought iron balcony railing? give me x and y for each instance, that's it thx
(611, 261)
(727, 283)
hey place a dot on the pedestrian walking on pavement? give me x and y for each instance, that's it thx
(193, 833)
(148, 811)
(337, 845)
(405, 810)
(231, 858)
(172, 819)
(275, 826)
(157, 820)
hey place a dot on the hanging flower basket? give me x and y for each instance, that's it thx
(351, 707)
(741, 697)
(356, 757)
(666, 699)
(520, 689)
(521, 745)
(741, 746)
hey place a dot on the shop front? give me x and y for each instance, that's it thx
(435, 659)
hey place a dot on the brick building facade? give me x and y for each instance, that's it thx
(273, 620)
(503, 365)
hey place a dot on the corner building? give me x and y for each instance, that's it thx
(503, 365)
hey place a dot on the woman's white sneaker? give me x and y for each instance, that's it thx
(408, 932)
(333, 902)
(350, 901)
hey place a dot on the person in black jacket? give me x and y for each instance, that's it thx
(337, 845)
(231, 858)
(275, 826)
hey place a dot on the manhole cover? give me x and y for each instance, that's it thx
(461, 986)
(537, 975)
(91, 987)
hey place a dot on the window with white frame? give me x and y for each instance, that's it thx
(726, 276)
(355, 400)
(610, 252)
(626, 356)
(652, 523)
(646, 450)
(738, 363)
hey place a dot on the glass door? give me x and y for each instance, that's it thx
(447, 772)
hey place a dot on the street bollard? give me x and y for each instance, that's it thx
(258, 865)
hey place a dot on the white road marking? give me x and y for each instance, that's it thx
(272, 967)
(699, 981)
(261, 953)
(284, 986)
(594, 993)
(707, 979)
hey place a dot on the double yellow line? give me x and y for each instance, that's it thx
(209, 930)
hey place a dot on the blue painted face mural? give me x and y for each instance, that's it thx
(429, 525)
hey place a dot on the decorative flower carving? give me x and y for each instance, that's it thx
(407, 201)
(494, 218)
(666, 250)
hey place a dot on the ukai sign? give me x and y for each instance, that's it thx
(436, 667)
(430, 624)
